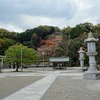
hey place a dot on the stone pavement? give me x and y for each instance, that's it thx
(61, 85)
(36, 90)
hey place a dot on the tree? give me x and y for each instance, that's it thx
(66, 31)
(41, 31)
(80, 29)
(64, 44)
(58, 51)
(73, 48)
(13, 55)
(35, 41)
(4, 33)
(5, 43)
(76, 31)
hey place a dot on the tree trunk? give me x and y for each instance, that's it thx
(14, 65)
(17, 66)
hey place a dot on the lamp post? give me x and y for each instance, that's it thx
(92, 72)
(43, 60)
(21, 60)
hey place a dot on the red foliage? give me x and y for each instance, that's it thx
(48, 45)
(42, 42)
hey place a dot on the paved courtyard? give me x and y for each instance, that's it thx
(35, 84)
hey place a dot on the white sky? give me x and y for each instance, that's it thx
(19, 15)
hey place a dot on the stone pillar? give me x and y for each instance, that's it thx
(92, 72)
(81, 58)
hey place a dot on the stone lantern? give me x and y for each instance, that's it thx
(92, 72)
(81, 58)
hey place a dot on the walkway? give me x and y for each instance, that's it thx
(37, 90)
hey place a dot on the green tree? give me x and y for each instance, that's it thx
(35, 41)
(80, 29)
(64, 44)
(58, 51)
(41, 31)
(4, 33)
(96, 30)
(13, 55)
(73, 48)
(66, 31)
(5, 43)
(76, 31)
(27, 43)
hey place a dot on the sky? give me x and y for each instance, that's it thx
(20, 15)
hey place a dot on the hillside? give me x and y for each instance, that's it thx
(48, 45)
(42, 39)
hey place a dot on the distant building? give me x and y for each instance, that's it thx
(59, 62)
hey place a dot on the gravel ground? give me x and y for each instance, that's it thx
(9, 85)
(73, 88)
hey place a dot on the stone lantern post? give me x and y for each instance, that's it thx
(92, 72)
(81, 58)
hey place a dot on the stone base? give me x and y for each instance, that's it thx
(80, 70)
(92, 76)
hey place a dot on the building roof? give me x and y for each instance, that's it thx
(59, 59)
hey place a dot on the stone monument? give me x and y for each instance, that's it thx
(81, 58)
(92, 72)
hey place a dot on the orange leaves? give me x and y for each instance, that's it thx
(48, 45)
